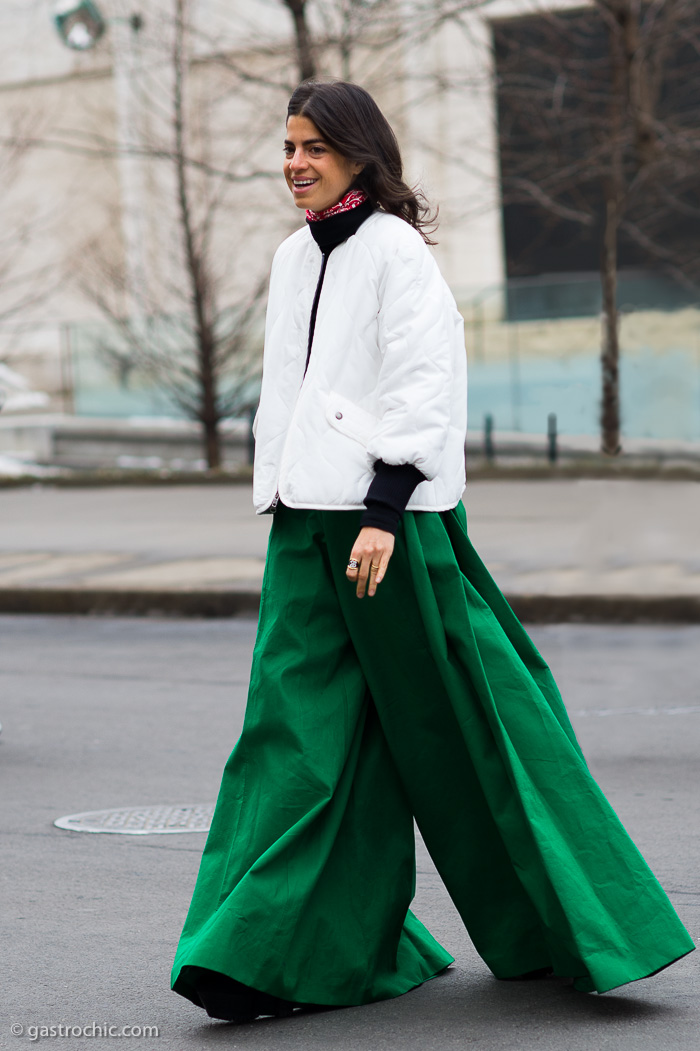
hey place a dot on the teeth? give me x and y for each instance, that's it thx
(303, 182)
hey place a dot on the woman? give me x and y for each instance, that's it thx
(427, 699)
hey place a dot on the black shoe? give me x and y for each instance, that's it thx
(314, 1008)
(530, 976)
(231, 1001)
(274, 1005)
(222, 997)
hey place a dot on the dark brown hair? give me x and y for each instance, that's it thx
(352, 123)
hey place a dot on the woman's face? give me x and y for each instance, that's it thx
(317, 175)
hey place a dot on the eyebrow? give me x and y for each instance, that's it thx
(306, 142)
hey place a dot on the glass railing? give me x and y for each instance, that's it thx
(520, 370)
(112, 379)
(524, 368)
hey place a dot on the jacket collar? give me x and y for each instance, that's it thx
(327, 233)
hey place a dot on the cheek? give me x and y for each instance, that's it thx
(343, 174)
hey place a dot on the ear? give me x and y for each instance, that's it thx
(357, 168)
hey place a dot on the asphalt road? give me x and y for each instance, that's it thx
(104, 713)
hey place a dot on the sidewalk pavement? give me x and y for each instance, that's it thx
(560, 549)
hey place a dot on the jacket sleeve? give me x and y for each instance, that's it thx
(415, 376)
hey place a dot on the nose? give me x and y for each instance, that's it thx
(298, 161)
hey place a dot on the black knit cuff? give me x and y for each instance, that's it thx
(390, 490)
(379, 516)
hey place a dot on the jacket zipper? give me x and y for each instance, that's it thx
(312, 326)
(314, 308)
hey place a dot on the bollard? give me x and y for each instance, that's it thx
(552, 452)
(489, 450)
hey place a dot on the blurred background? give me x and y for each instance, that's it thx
(140, 155)
(141, 201)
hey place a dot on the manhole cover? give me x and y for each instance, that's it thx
(141, 821)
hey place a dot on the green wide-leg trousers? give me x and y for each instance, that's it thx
(428, 700)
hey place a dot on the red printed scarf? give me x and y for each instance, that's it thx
(351, 200)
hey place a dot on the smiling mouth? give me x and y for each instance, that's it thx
(303, 184)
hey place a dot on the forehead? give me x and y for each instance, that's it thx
(302, 130)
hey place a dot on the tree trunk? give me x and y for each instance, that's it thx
(212, 443)
(208, 400)
(305, 55)
(610, 349)
(619, 13)
(200, 288)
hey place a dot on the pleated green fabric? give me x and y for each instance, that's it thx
(428, 700)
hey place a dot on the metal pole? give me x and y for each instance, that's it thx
(489, 449)
(552, 452)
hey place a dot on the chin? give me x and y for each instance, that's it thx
(320, 206)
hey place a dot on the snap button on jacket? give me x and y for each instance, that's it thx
(386, 378)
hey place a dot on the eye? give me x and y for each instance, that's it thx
(288, 150)
(317, 149)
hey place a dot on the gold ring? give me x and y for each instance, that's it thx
(372, 566)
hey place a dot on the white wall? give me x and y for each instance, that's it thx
(73, 201)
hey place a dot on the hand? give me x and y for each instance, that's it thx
(372, 549)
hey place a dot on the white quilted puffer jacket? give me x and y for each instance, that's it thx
(386, 379)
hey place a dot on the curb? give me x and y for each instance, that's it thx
(71, 478)
(133, 603)
(530, 609)
(479, 469)
(606, 609)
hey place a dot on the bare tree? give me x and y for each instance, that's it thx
(209, 107)
(25, 281)
(212, 110)
(306, 62)
(189, 329)
(599, 118)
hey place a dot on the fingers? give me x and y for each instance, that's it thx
(362, 578)
(372, 578)
(377, 575)
(353, 570)
(358, 570)
(369, 559)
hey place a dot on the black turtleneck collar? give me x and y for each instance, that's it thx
(328, 233)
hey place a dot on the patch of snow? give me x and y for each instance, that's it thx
(15, 393)
(143, 462)
(22, 466)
